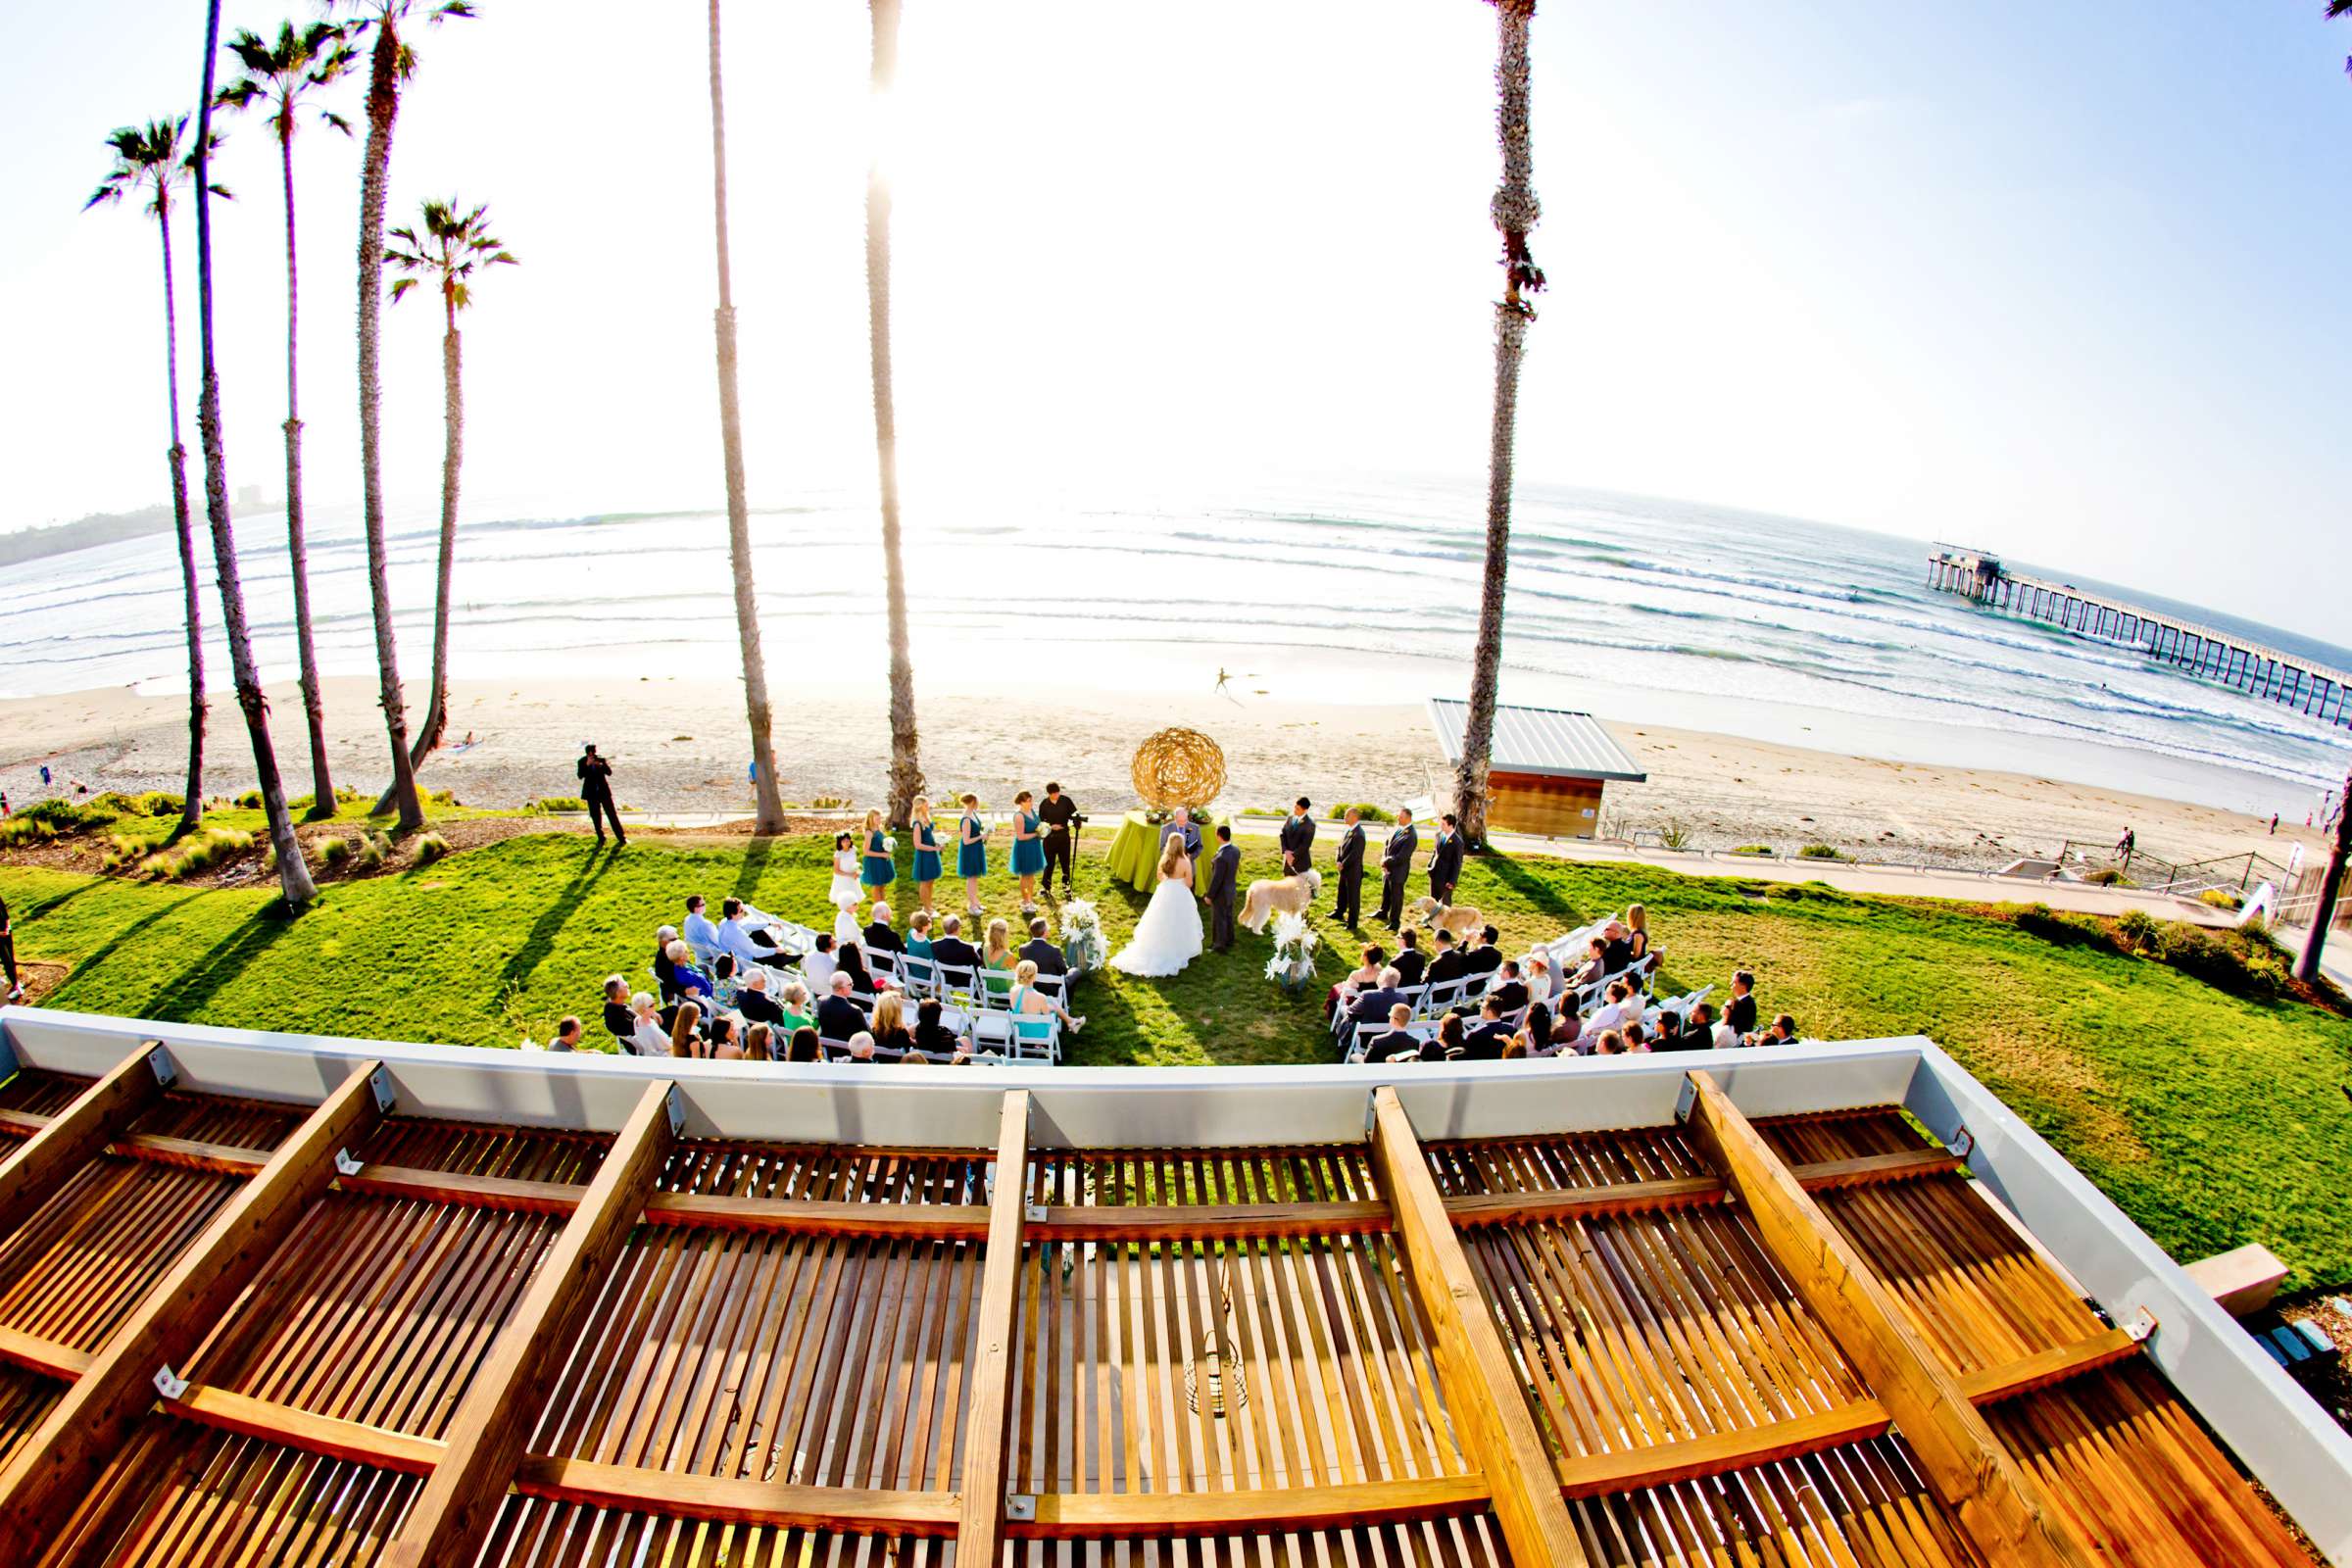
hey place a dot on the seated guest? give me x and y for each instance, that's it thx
(1030, 1008)
(1357, 980)
(1449, 962)
(1398, 1040)
(1782, 1033)
(918, 934)
(819, 965)
(1484, 1039)
(620, 1021)
(951, 948)
(730, 1048)
(736, 935)
(797, 1014)
(861, 1047)
(1372, 1006)
(1636, 1040)
(1612, 1012)
(1040, 950)
(726, 1037)
(879, 936)
(1568, 1033)
(1454, 1038)
(931, 1034)
(723, 985)
(848, 960)
(1636, 932)
(1486, 957)
(1596, 965)
(807, 1045)
(1508, 989)
(700, 933)
(759, 1043)
(690, 983)
(1742, 1013)
(1517, 1049)
(1411, 962)
(1610, 1044)
(686, 1031)
(1685, 1034)
(997, 961)
(889, 1031)
(753, 1002)
(1720, 1035)
(648, 1036)
(1536, 1033)
(663, 939)
(914, 1057)
(837, 1016)
(1617, 946)
(567, 1034)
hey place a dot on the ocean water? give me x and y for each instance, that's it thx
(1637, 608)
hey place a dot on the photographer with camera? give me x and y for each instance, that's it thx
(1061, 816)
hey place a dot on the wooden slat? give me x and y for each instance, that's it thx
(1997, 1505)
(2049, 1368)
(1869, 1170)
(66, 1457)
(46, 1356)
(923, 1222)
(1480, 1381)
(1279, 1510)
(1142, 1223)
(732, 1501)
(980, 1512)
(492, 1424)
(301, 1430)
(215, 1160)
(1593, 1475)
(58, 1149)
(1585, 1202)
(500, 1194)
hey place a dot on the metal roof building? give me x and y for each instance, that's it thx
(1548, 767)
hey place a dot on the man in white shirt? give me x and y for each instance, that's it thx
(1616, 1013)
(734, 936)
(819, 965)
(700, 933)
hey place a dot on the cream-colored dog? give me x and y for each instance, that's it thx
(1459, 919)
(1290, 895)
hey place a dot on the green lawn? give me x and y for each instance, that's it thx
(2212, 1119)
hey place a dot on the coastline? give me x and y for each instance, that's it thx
(678, 746)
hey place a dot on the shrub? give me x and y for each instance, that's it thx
(1819, 852)
(2138, 928)
(554, 803)
(2106, 876)
(2219, 899)
(430, 848)
(197, 854)
(251, 800)
(370, 851)
(1752, 849)
(334, 851)
(1675, 833)
(1363, 808)
(821, 803)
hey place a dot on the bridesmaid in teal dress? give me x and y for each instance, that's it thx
(972, 853)
(876, 870)
(1028, 849)
(926, 852)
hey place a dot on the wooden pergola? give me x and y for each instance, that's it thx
(239, 1331)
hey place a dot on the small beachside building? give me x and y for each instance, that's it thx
(1549, 767)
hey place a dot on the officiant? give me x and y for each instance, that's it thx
(1182, 825)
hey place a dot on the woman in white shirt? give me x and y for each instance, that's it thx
(649, 1039)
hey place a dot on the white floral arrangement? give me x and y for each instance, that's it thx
(1295, 944)
(1081, 935)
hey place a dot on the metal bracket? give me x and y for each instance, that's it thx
(1962, 1143)
(1686, 1099)
(2142, 1326)
(345, 1165)
(381, 1081)
(160, 1060)
(1033, 1214)
(1020, 1505)
(1371, 1112)
(169, 1384)
(675, 1104)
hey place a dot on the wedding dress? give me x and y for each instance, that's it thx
(1167, 937)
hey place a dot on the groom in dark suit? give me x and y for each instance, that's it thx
(1298, 840)
(1396, 865)
(1349, 905)
(1445, 860)
(1224, 873)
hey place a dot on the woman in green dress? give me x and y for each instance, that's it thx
(926, 852)
(876, 870)
(972, 853)
(1028, 848)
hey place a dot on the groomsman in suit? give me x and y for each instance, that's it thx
(1445, 860)
(1396, 865)
(1224, 874)
(1350, 907)
(1298, 840)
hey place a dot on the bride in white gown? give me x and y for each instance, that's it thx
(1169, 936)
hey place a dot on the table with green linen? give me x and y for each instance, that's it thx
(1135, 853)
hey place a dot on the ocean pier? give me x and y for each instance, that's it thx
(2287, 679)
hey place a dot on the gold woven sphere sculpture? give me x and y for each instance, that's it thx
(1178, 768)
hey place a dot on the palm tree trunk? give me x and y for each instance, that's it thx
(313, 706)
(293, 873)
(452, 445)
(383, 105)
(2307, 967)
(191, 810)
(766, 787)
(1516, 212)
(906, 767)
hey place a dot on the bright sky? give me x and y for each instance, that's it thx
(2060, 280)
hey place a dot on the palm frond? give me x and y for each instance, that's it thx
(401, 285)
(2338, 7)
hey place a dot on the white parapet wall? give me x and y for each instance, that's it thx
(2289, 1443)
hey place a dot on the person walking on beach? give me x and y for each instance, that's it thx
(2126, 844)
(1058, 812)
(1348, 906)
(1224, 874)
(596, 792)
(1446, 861)
(1396, 865)
(1298, 840)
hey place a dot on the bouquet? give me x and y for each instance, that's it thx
(1082, 936)
(1293, 962)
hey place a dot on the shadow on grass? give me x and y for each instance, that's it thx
(188, 997)
(540, 941)
(86, 967)
(1536, 892)
(755, 856)
(33, 912)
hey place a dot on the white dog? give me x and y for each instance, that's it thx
(1460, 918)
(1290, 895)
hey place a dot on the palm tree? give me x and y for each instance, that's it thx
(281, 76)
(454, 245)
(390, 64)
(1516, 212)
(2337, 9)
(293, 872)
(149, 159)
(738, 517)
(905, 769)
(2323, 914)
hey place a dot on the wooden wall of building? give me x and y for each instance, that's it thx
(1556, 807)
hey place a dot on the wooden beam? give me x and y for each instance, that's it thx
(1276, 1511)
(2048, 1368)
(980, 1513)
(66, 1456)
(735, 1501)
(46, 1356)
(1595, 1475)
(1998, 1506)
(1480, 1382)
(292, 1428)
(56, 1153)
(1184, 1222)
(455, 1507)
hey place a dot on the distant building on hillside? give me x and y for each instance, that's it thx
(1548, 767)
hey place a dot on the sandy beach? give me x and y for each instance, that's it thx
(678, 747)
